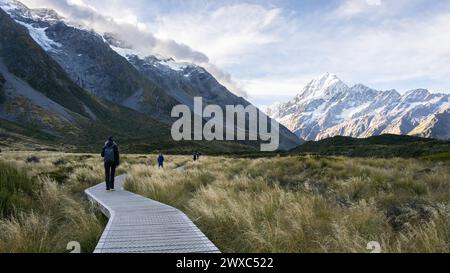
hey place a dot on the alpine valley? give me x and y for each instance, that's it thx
(65, 84)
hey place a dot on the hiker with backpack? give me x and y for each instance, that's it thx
(160, 161)
(196, 156)
(110, 154)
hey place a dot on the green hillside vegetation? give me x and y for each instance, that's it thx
(377, 146)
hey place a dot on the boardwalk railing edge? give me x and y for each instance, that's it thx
(106, 210)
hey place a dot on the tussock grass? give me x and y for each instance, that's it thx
(16, 190)
(42, 206)
(308, 204)
(280, 204)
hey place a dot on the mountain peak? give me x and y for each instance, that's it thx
(323, 86)
(327, 76)
(326, 81)
(47, 15)
(417, 95)
(13, 5)
(328, 107)
(420, 91)
(18, 10)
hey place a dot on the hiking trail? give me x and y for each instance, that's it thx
(141, 225)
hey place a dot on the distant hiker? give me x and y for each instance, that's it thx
(160, 161)
(194, 156)
(110, 153)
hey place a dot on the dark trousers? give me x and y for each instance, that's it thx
(110, 171)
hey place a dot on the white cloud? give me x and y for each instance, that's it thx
(350, 8)
(393, 50)
(129, 28)
(268, 86)
(271, 51)
(374, 2)
(225, 33)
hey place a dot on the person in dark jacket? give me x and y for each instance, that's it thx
(110, 154)
(160, 161)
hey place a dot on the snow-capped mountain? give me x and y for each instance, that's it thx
(327, 107)
(182, 80)
(90, 61)
(95, 61)
(33, 21)
(111, 69)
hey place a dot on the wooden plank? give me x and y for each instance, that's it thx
(141, 225)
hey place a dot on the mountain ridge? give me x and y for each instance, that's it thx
(327, 107)
(91, 63)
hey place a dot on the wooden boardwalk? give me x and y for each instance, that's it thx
(141, 225)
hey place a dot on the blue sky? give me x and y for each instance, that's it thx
(268, 50)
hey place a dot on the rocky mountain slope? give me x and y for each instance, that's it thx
(93, 62)
(184, 81)
(90, 62)
(39, 99)
(327, 107)
(436, 126)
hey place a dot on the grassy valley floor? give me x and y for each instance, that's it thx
(308, 204)
(279, 204)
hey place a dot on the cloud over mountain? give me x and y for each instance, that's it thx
(138, 33)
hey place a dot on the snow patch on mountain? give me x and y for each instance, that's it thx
(7, 6)
(126, 52)
(169, 63)
(39, 35)
(20, 13)
(350, 112)
(176, 66)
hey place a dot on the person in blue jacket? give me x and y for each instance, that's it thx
(160, 161)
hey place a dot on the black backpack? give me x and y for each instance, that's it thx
(109, 154)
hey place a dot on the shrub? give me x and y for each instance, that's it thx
(33, 159)
(17, 191)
